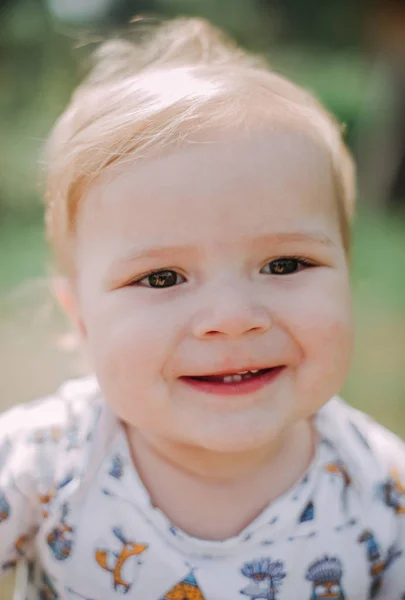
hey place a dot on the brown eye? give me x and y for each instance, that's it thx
(285, 266)
(162, 279)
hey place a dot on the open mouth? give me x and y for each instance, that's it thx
(232, 377)
(237, 383)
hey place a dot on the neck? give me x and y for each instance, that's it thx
(196, 488)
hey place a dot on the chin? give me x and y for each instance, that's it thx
(238, 440)
(234, 446)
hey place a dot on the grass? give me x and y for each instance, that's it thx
(377, 380)
(23, 252)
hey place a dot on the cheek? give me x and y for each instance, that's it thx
(130, 338)
(130, 345)
(320, 322)
(325, 326)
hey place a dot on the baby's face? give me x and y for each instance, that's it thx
(248, 273)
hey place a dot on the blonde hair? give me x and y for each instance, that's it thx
(146, 96)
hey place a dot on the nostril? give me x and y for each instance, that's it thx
(228, 332)
(232, 325)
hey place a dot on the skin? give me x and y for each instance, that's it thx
(217, 213)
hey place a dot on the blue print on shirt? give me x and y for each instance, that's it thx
(116, 469)
(5, 509)
(392, 492)
(308, 513)
(378, 565)
(325, 575)
(60, 539)
(266, 576)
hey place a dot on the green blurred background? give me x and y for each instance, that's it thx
(350, 53)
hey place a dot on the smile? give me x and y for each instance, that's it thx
(241, 382)
(233, 377)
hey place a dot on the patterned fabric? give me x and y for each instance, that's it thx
(76, 519)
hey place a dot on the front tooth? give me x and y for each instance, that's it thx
(232, 378)
(243, 372)
(254, 371)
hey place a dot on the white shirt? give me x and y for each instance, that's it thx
(76, 517)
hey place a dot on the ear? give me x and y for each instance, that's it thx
(67, 298)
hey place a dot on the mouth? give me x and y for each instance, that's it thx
(232, 377)
(240, 382)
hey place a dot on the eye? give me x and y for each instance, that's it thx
(320, 589)
(285, 266)
(161, 279)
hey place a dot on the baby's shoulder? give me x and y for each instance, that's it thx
(38, 434)
(371, 452)
(49, 417)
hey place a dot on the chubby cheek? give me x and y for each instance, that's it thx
(321, 324)
(129, 347)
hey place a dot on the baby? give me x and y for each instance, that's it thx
(199, 207)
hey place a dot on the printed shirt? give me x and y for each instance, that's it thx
(79, 523)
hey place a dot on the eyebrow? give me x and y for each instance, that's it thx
(290, 237)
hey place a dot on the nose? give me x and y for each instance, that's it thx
(230, 313)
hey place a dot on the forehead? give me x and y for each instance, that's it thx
(221, 186)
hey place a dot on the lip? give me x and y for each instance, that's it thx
(234, 371)
(247, 386)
